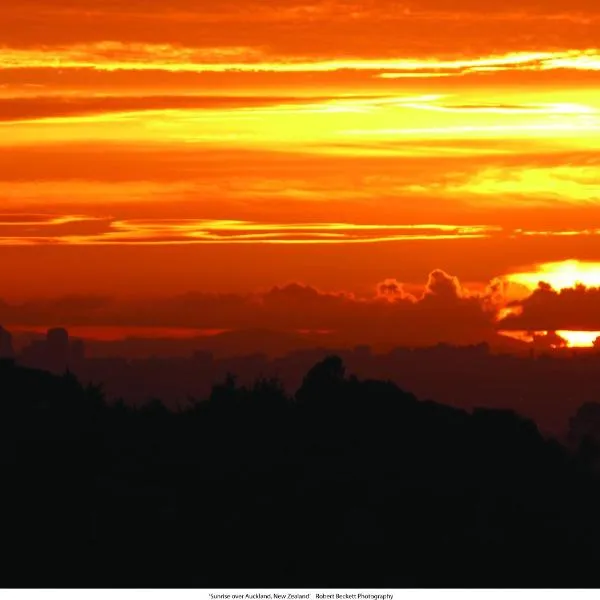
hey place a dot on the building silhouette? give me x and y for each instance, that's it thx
(56, 353)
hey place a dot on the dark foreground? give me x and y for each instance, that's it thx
(349, 484)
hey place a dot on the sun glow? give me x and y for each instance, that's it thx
(558, 339)
(579, 339)
(560, 275)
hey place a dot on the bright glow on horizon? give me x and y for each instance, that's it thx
(579, 339)
(560, 275)
(573, 339)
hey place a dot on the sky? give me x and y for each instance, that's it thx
(152, 152)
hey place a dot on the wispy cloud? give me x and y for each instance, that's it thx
(39, 229)
(33, 229)
(586, 60)
(376, 123)
(120, 56)
(67, 107)
(42, 107)
(570, 184)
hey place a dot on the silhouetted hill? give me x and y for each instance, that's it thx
(348, 483)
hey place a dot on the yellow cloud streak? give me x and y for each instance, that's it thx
(554, 108)
(229, 231)
(237, 225)
(110, 241)
(567, 184)
(201, 231)
(324, 126)
(117, 56)
(41, 220)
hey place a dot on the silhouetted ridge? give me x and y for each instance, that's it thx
(350, 483)
(547, 386)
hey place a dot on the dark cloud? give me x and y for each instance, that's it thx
(547, 309)
(444, 313)
(443, 287)
(392, 289)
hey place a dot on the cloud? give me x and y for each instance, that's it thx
(547, 309)
(80, 230)
(24, 229)
(487, 184)
(444, 312)
(393, 290)
(314, 23)
(121, 56)
(553, 108)
(292, 8)
(567, 183)
(378, 126)
(34, 108)
(564, 297)
(441, 286)
(551, 7)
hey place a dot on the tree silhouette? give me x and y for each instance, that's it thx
(322, 381)
(352, 483)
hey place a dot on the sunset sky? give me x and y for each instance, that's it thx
(286, 151)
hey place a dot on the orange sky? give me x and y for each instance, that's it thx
(151, 148)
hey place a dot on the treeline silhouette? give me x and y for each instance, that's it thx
(349, 483)
(544, 385)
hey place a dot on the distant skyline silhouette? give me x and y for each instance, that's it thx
(544, 383)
